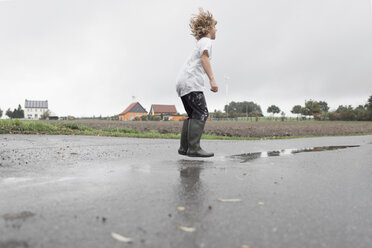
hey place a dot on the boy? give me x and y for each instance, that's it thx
(190, 84)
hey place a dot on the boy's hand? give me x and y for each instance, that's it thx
(214, 86)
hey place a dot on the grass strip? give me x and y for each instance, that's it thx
(69, 128)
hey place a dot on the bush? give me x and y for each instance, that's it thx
(73, 126)
(45, 115)
(154, 118)
(120, 130)
(361, 115)
(332, 116)
(317, 117)
(347, 116)
(147, 118)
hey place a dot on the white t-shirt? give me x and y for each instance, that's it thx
(192, 75)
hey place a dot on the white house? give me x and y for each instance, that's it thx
(34, 109)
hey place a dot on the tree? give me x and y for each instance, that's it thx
(1, 113)
(296, 110)
(361, 113)
(369, 108)
(45, 115)
(313, 107)
(21, 112)
(218, 114)
(9, 113)
(240, 109)
(273, 109)
(283, 115)
(346, 113)
(305, 111)
(342, 108)
(233, 114)
(369, 104)
(18, 113)
(323, 106)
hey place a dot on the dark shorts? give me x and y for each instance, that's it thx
(195, 105)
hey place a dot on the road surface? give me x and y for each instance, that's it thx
(80, 191)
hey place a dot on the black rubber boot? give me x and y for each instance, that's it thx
(195, 132)
(184, 144)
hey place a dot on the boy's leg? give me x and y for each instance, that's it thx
(196, 106)
(198, 116)
(184, 144)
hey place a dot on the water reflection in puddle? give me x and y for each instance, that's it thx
(246, 157)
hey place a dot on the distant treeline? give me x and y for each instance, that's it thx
(17, 113)
(318, 110)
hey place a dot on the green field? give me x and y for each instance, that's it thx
(218, 130)
(70, 128)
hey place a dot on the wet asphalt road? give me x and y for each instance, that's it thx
(74, 191)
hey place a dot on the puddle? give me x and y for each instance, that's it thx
(246, 157)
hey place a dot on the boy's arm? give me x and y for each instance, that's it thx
(208, 69)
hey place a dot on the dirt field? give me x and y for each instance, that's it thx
(246, 129)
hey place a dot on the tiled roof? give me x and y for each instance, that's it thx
(36, 104)
(164, 108)
(134, 107)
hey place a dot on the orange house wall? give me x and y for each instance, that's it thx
(181, 118)
(129, 116)
(177, 118)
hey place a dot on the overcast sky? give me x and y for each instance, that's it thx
(89, 57)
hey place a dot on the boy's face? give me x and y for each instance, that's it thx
(212, 32)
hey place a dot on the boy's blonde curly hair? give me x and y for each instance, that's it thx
(200, 24)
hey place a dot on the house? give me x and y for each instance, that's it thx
(166, 111)
(133, 110)
(35, 109)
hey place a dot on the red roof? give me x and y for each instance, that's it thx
(164, 108)
(131, 106)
